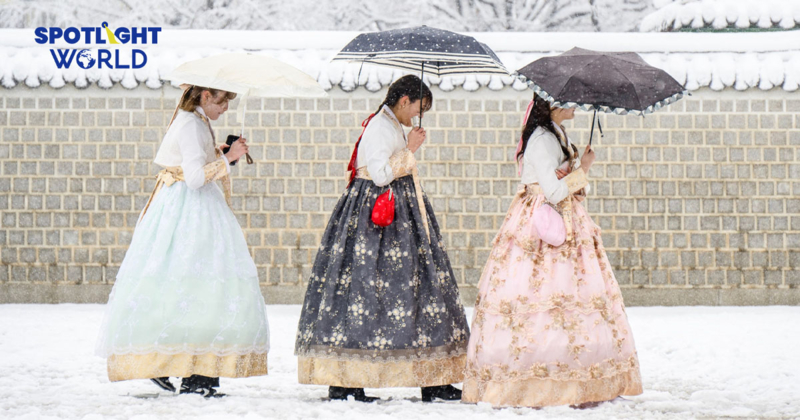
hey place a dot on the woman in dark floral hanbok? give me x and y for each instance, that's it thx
(382, 307)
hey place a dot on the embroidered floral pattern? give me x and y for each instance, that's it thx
(550, 325)
(395, 303)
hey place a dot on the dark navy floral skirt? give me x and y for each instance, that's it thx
(381, 294)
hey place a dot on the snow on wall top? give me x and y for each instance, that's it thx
(718, 61)
(721, 14)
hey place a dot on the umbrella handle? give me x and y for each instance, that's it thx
(599, 126)
(244, 111)
(421, 75)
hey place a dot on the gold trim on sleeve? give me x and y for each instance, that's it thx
(402, 163)
(215, 170)
(576, 180)
(225, 179)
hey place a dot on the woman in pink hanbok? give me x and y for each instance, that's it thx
(549, 325)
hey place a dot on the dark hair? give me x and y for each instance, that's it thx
(410, 86)
(191, 97)
(540, 117)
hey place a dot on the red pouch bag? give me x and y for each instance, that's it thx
(383, 211)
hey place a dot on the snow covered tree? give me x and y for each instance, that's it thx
(510, 15)
(354, 15)
(618, 15)
(186, 14)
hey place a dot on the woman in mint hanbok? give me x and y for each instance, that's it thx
(186, 302)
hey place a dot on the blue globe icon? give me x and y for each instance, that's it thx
(85, 59)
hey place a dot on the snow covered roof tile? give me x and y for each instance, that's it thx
(721, 14)
(719, 61)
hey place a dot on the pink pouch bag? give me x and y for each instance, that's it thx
(549, 225)
(548, 221)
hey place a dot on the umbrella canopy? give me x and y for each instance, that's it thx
(438, 51)
(423, 48)
(248, 75)
(615, 82)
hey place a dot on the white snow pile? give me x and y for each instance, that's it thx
(696, 362)
(718, 61)
(721, 14)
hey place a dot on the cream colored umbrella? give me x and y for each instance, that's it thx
(248, 75)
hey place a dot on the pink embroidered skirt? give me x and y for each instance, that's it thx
(550, 326)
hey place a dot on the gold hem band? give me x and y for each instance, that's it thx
(368, 374)
(548, 392)
(122, 367)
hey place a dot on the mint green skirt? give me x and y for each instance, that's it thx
(186, 298)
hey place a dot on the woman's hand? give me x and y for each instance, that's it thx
(415, 138)
(587, 159)
(561, 173)
(236, 150)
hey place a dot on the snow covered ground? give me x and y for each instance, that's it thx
(697, 362)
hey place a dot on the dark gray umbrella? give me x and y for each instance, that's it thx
(423, 48)
(615, 82)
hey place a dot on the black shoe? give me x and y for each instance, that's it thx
(444, 392)
(210, 393)
(340, 393)
(586, 405)
(203, 385)
(164, 383)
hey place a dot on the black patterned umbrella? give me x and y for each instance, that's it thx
(436, 51)
(615, 82)
(423, 48)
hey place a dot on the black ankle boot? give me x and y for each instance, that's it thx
(444, 392)
(164, 383)
(341, 393)
(203, 385)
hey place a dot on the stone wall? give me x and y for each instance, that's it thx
(698, 203)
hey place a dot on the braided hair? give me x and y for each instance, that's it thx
(404, 86)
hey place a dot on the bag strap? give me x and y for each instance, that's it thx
(351, 167)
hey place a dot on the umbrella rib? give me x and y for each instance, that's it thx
(638, 100)
(560, 92)
(615, 68)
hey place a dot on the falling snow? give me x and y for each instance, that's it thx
(352, 15)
